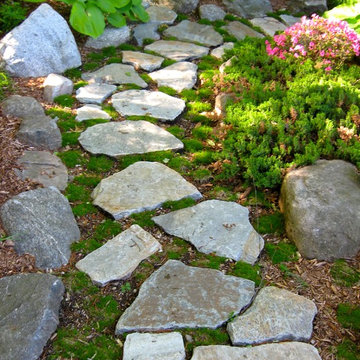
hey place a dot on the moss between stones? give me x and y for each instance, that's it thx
(281, 252)
(343, 274)
(349, 316)
(270, 224)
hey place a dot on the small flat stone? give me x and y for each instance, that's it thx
(180, 6)
(220, 103)
(120, 256)
(91, 111)
(289, 20)
(178, 76)
(152, 103)
(56, 85)
(161, 15)
(219, 52)
(169, 346)
(94, 93)
(110, 37)
(211, 12)
(269, 25)
(143, 61)
(146, 31)
(179, 296)
(275, 315)
(140, 187)
(178, 50)
(240, 30)
(248, 8)
(226, 64)
(194, 32)
(127, 137)
(22, 107)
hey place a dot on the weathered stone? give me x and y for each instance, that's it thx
(56, 85)
(29, 313)
(120, 256)
(275, 315)
(41, 45)
(220, 103)
(177, 50)
(269, 25)
(240, 30)
(152, 103)
(146, 31)
(168, 346)
(110, 37)
(194, 32)
(161, 15)
(127, 137)
(91, 111)
(94, 93)
(180, 6)
(289, 20)
(308, 6)
(143, 61)
(226, 64)
(141, 186)
(22, 107)
(215, 226)
(178, 76)
(211, 12)
(219, 52)
(41, 223)
(248, 8)
(44, 168)
(320, 203)
(179, 296)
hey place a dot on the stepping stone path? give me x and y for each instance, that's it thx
(91, 111)
(240, 30)
(94, 93)
(146, 31)
(56, 85)
(142, 61)
(161, 15)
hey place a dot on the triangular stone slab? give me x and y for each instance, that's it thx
(94, 93)
(161, 15)
(141, 186)
(240, 30)
(143, 61)
(269, 25)
(179, 296)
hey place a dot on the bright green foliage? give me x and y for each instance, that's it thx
(209, 261)
(80, 84)
(100, 163)
(204, 157)
(168, 90)
(74, 73)
(66, 118)
(348, 11)
(5, 83)
(281, 252)
(71, 158)
(143, 219)
(90, 66)
(202, 132)
(77, 193)
(92, 122)
(202, 174)
(84, 209)
(288, 273)
(177, 205)
(106, 230)
(270, 224)
(168, 62)
(70, 138)
(344, 274)
(176, 131)
(203, 337)
(90, 181)
(12, 13)
(192, 145)
(349, 316)
(76, 281)
(114, 60)
(109, 51)
(64, 100)
(348, 350)
(126, 287)
(180, 164)
(247, 271)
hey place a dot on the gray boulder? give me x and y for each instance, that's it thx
(307, 6)
(146, 31)
(211, 12)
(22, 107)
(161, 15)
(248, 8)
(56, 85)
(110, 37)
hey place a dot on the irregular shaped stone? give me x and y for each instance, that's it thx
(140, 187)
(219, 52)
(91, 111)
(152, 103)
(211, 12)
(180, 6)
(320, 203)
(240, 30)
(248, 8)
(42, 224)
(226, 64)
(221, 101)
(194, 32)
(143, 61)
(94, 93)
(177, 50)
(169, 346)
(22, 107)
(115, 74)
(269, 25)
(120, 256)
(179, 296)
(178, 76)
(275, 315)
(40, 45)
(146, 31)
(285, 351)
(110, 37)
(44, 168)
(56, 85)
(289, 20)
(29, 313)
(215, 226)
(307, 6)
(161, 15)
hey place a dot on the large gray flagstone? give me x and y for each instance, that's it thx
(240, 30)
(146, 31)
(91, 111)
(269, 25)
(161, 15)
(215, 226)
(143, 61)
(211, 12)
(141, 186)
(94, 93)
(248, 8)
(179, 296)
(110, 37)
(152, 103)
(289, 20)
(120, 256)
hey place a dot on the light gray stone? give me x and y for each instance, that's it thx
(248, 8)
(220, 103)
(179, 76)
(91, 111)
(110, 37)
(240, 30)
(320, 203)
(146, 31)
(41, 45)
(194, 32)
(41, 223)
(140, 187)
(120, 256)
(211, 12)
(226, 64)
(308, 6)
(275, 315)
(178, 50)
(179, 6)
(289, 20)
(29, 313)
(168, 346)
(179, 296)
(44, 168)
(161, 15)
(56, 85)
(269, 25)
(219, 52)
(94, 93)
(143, 61)
(152, 103)
(22, 107)
(215, 226)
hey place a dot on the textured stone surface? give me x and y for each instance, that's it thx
(127, 137)
(110, 37)
(41, 45)
(219, 52)
(120, 256)
(178, 76)
(320, 203)
(211, 12)
(141, 186)
(94, 93)
(168, 346)
(56, 85)
(224, 65)
(240, 30)
(143, 61)
(91, 111)
(289, 20)
(275, 315)
(180, 6)
(269, 25)
(307, 6)
(44, 168)
(161, 15)
(220, 103)
(146, 31)
(215, 226)
(22, 107)
(179, 296)
(152, 103)
(41, 223)
(178, 50)
(248, 8)
(29, 313)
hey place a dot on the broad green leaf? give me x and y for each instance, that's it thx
(107, 6)
(141, 13)
(130, 15)
(125, 8)
(136, 2)
(35, 1)
(116, 20)
(122, 3)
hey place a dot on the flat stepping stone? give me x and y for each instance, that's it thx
(127, 137)
(219, 52)
(179, 296)
(146, 31)
(148, 103)
(56, 85)
(94, 93)
(110, 37)
(44, 168)
(285, 351)
(211, 12)
(275, 315)
(91, 111)
(42, 224)
(178, 50)
(161, 15)
(120, 256)
(240, 30)
(269, 25)
(178, 76)
(143, 61)
(289, 20)
(169, 346)
(29, 313)
(248, 8)
(115, 74)
(194, 32)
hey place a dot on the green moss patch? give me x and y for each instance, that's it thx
(281, 252)
(71, 158)
(70, 138)
(177, 205)
(347, 350)
(247, 271)
(143, 219)
(100, 164)
(349, 316)
(270, 224)
(343, 274)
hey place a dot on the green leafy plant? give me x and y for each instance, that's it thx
(12, 13)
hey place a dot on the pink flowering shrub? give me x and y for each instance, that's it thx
(328, 42)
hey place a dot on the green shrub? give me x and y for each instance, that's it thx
(5, 83)
(12, 13)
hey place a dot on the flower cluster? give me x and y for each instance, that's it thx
(328, 42)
